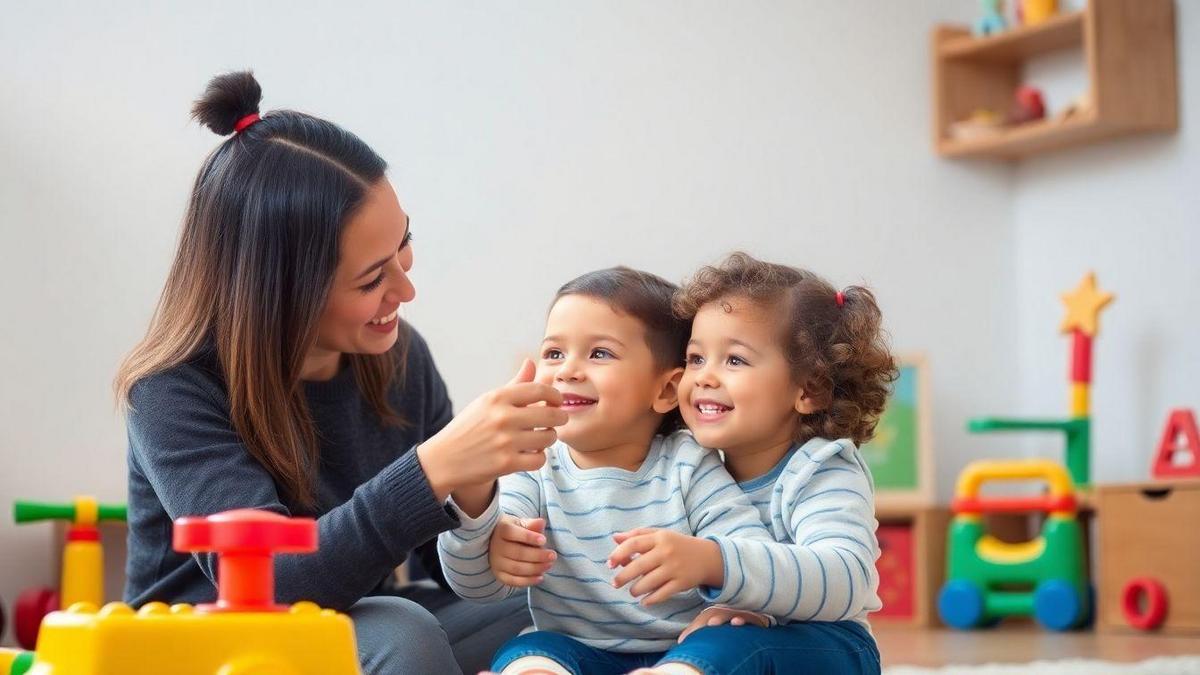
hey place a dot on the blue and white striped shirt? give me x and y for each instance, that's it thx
(680, 486)
(819, 504)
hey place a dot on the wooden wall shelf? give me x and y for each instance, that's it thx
(1129, 52)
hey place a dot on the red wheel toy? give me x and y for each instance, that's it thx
(32, 606)
(1150, 615)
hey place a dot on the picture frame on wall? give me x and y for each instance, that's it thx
(900, 455)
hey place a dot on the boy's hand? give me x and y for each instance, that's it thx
(668, 562)
(517, 553)
(717, 616)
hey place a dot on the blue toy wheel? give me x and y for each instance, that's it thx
(961, 604)
(1057, 604)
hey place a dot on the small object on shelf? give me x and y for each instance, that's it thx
(1033, 12)
(988, 579)
(1150, 613)
(1181, 422)
(980, 123)
(992, 21)
(1129, 57)
(900, 455)
(1028, 105)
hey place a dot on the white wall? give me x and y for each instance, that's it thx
(530, 144)
(1130, 210)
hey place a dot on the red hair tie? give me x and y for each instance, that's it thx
(246, 121)
(841, 299)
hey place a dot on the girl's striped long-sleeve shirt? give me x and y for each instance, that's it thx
(819, 504)
(680, 486)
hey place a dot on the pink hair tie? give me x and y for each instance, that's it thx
(246, 121)
(841, 299)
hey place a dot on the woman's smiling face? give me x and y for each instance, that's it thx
(371, 280)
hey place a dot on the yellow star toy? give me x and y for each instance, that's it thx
(1084, 305)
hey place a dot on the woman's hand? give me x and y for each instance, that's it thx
(499, 433)
(517, 551)
(667, 563)
(717, 616)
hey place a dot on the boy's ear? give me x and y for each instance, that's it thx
(668, 392)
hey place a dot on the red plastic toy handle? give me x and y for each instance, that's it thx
(246, 541)
(1155, 611)
(1045, 504)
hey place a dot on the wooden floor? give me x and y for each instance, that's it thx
(1019, 643)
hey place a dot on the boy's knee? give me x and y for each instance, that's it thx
(397, 636)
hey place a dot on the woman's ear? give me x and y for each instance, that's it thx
(668, 391)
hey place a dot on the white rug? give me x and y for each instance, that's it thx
(1167, 665)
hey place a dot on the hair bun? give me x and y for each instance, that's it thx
(227, 99)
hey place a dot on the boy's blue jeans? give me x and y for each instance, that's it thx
(810, 647)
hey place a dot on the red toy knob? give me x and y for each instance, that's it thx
(246, 541)
(1151, 615)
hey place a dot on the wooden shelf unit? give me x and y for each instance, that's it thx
(1129, 53)
(927, 567)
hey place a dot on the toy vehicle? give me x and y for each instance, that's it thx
(988, 579)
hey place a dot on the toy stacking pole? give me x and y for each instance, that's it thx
(1083, 324)
(83, 559)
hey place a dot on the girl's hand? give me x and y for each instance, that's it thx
(717, 616)
(667, 563)
(517, 553)
(499, 433)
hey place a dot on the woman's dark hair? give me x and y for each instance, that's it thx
(252, 273)
(837, 352)
(646, 297)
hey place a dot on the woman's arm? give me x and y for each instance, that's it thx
(182, 440)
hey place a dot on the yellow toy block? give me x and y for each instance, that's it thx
(243, 633)
(157, 639)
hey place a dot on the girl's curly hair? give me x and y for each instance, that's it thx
(838, 354)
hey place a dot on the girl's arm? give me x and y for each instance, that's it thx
(829, 573)
(670, 562)
(464, 550)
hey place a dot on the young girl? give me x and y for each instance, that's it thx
(614, 350)
(779, 363)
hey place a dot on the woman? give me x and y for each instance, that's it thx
(277, 375)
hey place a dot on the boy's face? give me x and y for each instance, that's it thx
(737, 392)
(600, 361)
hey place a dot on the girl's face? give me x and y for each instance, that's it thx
(370, 283)
(737, 392)
(613, 391)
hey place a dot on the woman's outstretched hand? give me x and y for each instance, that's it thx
(501, 432)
